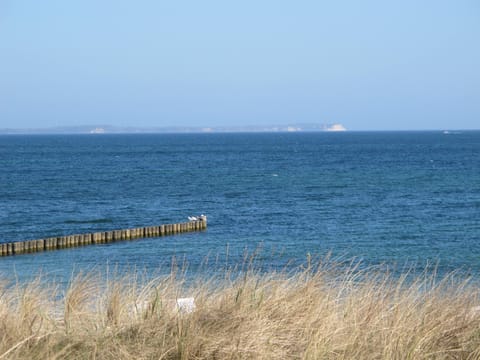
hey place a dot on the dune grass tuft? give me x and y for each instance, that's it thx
(318, 312)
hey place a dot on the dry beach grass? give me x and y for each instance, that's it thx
(320, 312)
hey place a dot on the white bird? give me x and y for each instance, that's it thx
(192, 218)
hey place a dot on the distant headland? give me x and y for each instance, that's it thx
(109, 129)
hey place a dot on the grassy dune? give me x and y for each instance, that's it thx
(314, 313)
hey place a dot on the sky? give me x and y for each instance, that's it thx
(370, 65)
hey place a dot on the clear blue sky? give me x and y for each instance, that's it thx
(382, 65)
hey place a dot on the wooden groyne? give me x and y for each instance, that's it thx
(68, 241)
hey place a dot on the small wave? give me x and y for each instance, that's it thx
(92, 221)
(235, 194)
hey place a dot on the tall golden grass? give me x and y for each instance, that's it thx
(321, 312)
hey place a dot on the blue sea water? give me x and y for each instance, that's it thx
(390, 198)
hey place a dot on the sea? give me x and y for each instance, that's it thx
(385, 200)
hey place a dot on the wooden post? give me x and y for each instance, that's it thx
(17, 247)
(40, 245)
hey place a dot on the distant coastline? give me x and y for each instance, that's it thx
(109, 129)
